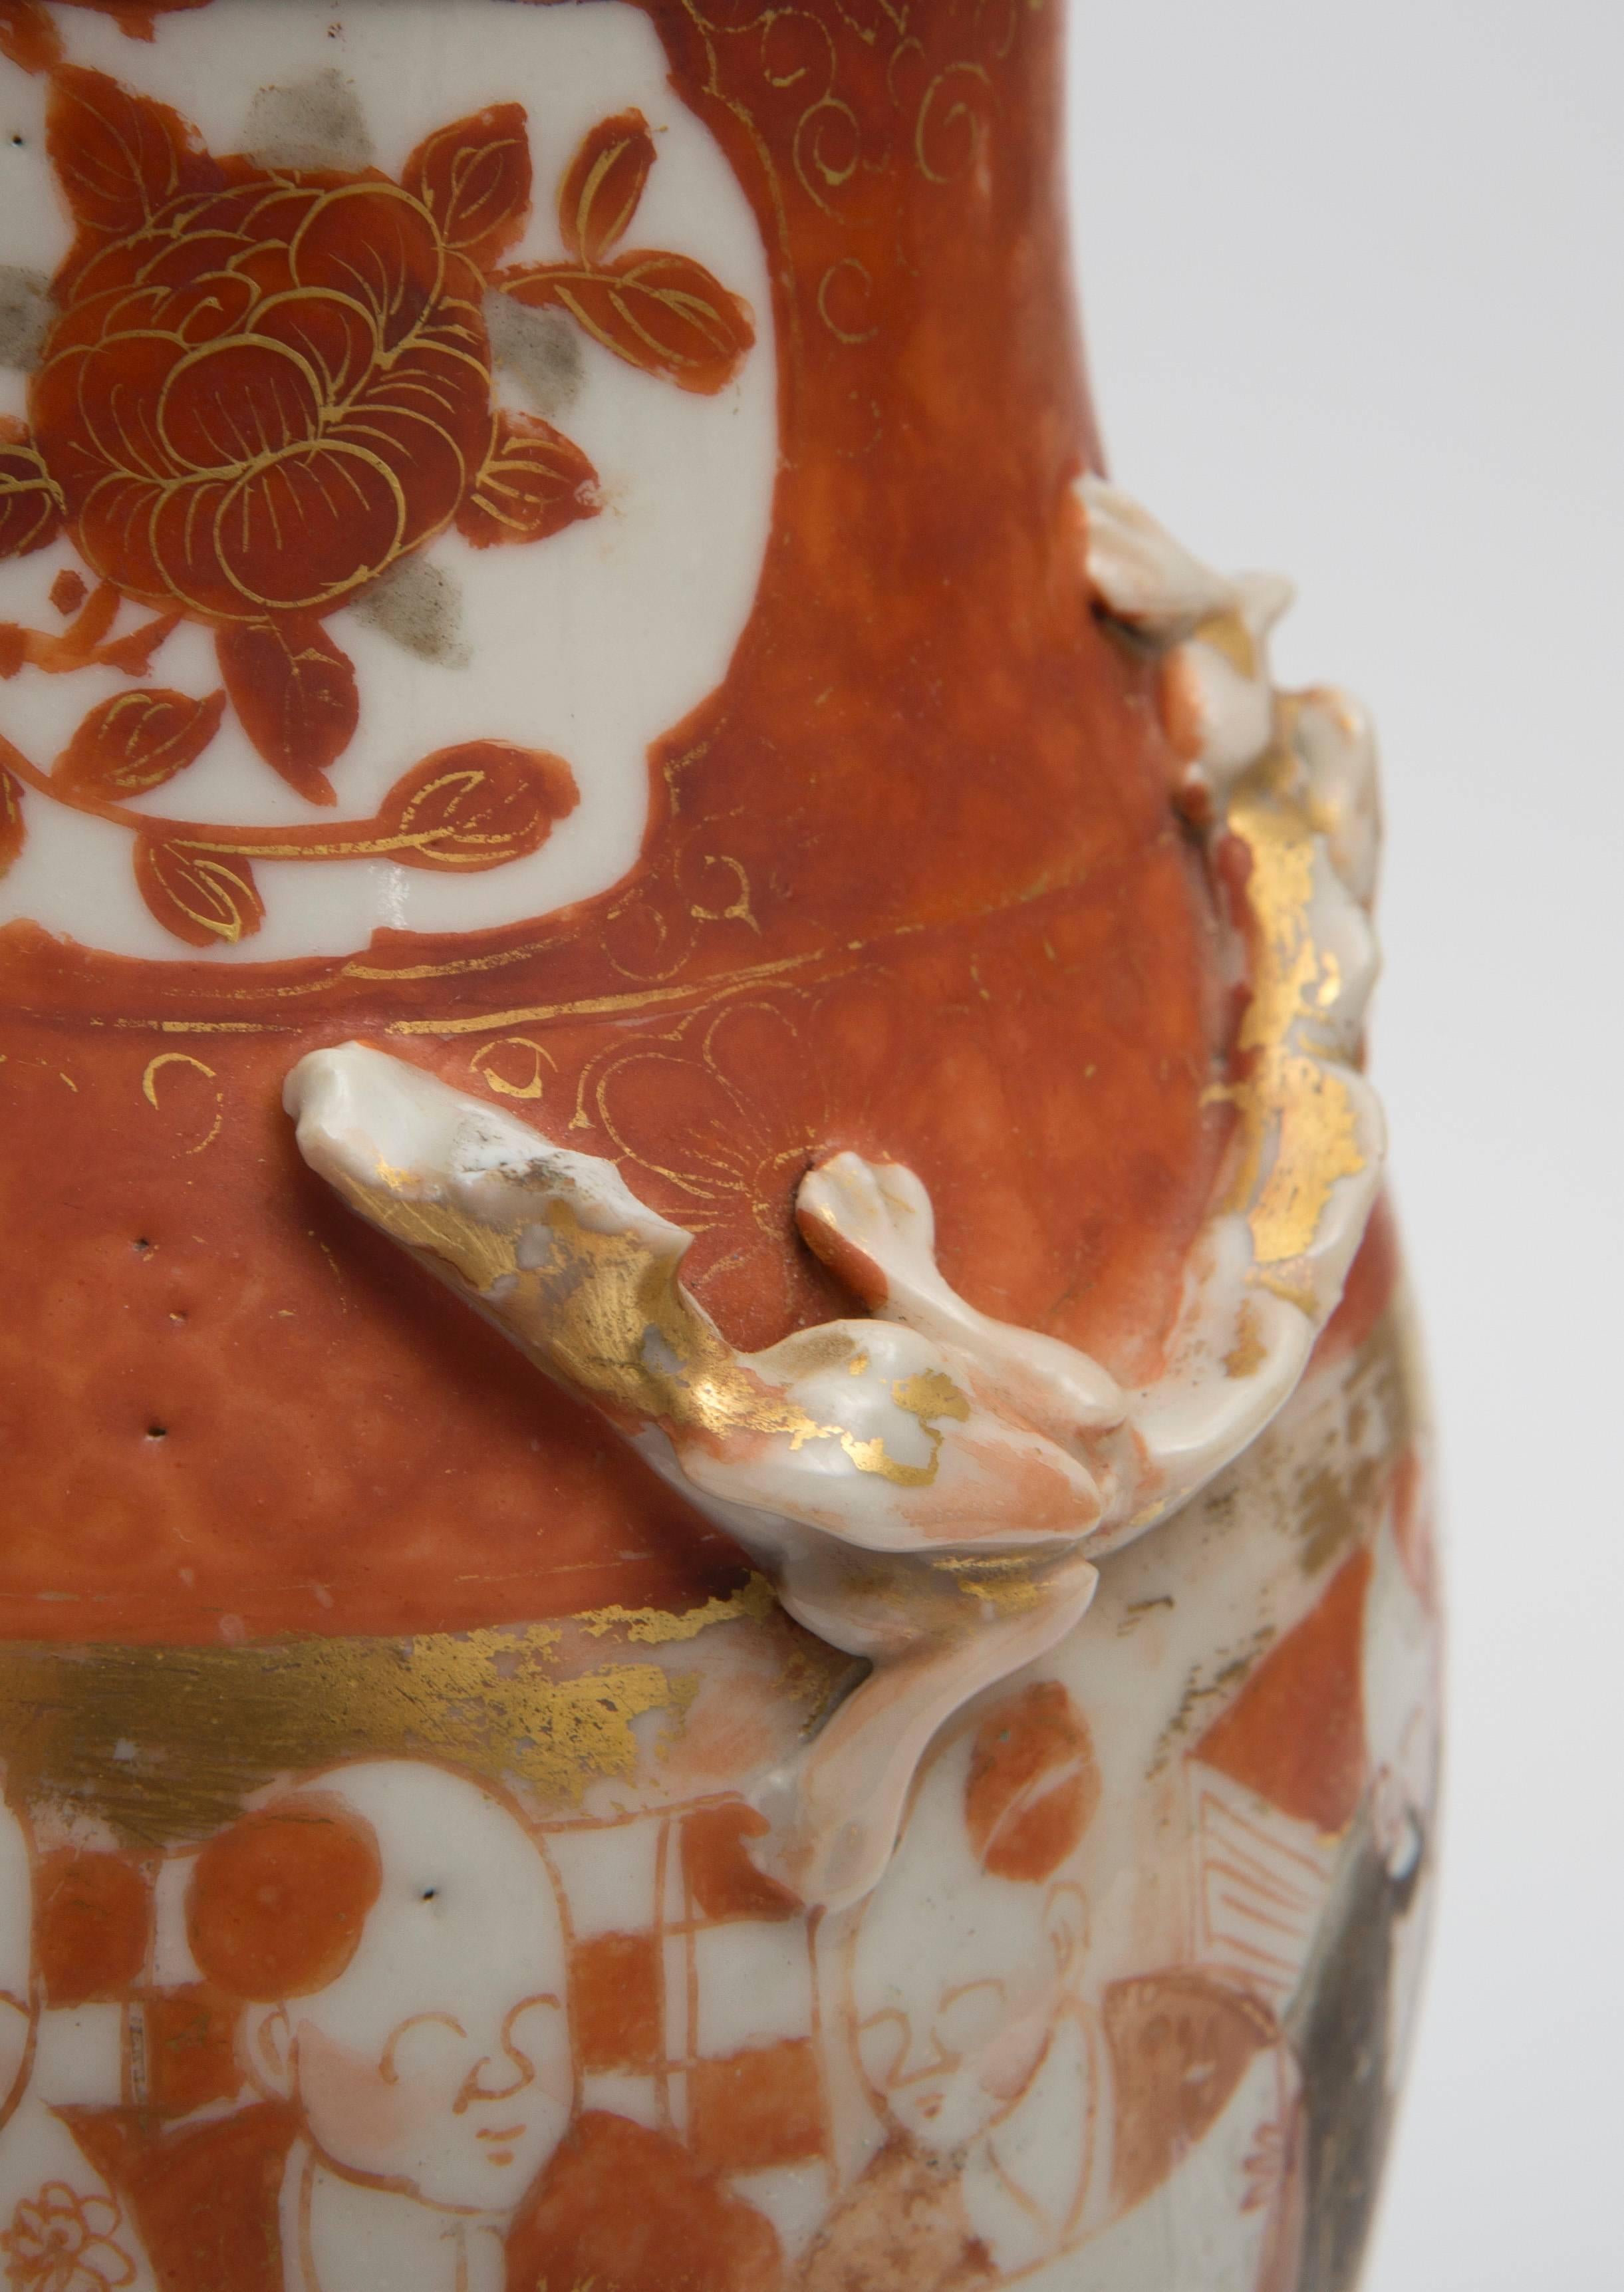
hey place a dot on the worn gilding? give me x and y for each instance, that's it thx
(1291, 1095)
(608, 1315)
(164, 1743)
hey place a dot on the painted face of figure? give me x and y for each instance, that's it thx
(438, 2061)
(966, 1954)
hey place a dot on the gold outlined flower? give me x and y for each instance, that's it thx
(266, 388)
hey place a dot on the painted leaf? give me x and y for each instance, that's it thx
(136, 741)
(662, 312)
(474, 178)
(535, 482)
(471, 808)
(31, 506)
(295, 695)
(120, 157)
(28, 36)
(12, 829)
(600, 193)
(201, 896)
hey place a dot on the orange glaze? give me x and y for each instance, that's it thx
(972, 935)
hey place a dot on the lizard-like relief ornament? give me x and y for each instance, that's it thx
(927, 1488)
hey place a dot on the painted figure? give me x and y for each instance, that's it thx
(964, 2017)
(396, 1945)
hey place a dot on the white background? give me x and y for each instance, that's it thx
(1353, 286)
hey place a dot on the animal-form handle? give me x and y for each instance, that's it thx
(927, 1488)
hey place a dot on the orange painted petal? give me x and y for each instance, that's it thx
(227, 404)
(371, 242)
(301, 532)
(333, 334)
(96, 412)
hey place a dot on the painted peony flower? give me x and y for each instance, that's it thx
(265, 387)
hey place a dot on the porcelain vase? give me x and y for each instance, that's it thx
(716, 1570)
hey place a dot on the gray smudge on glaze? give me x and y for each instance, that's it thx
(420, 606)
(316, 124)
(540, 349)
(26, 313)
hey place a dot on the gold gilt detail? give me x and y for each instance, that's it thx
(1248, 1353)
(164, 1743)
(1292, 1095)
(659, 1627)
(1005, 1585)
(606, 1314)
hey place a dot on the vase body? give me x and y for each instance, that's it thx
(555, 543)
